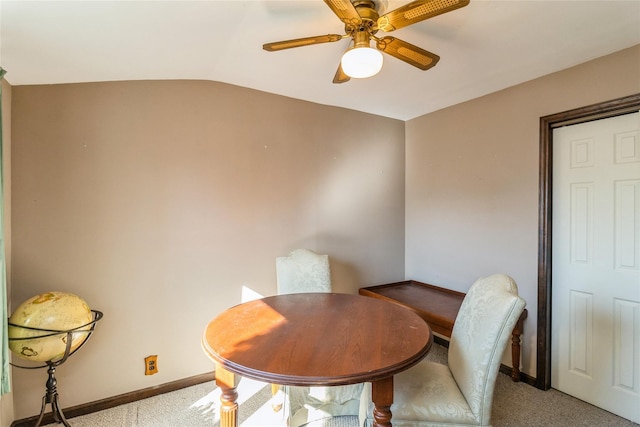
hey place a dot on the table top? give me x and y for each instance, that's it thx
(312, 339)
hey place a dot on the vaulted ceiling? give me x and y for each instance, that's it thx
(484, 47)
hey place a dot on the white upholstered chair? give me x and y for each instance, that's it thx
(303, 271)
(460, 394)
(306, 271)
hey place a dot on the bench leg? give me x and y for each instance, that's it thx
(515, 346)
(515, 356)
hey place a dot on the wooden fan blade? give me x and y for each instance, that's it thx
(306, 41)
(408, 53)
(417, 11)
(345, 10)
(341, 76)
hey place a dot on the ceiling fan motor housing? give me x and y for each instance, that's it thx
(369, 15)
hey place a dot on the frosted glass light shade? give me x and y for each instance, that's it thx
(361, 62)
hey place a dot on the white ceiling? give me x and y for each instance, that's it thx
(484, 47)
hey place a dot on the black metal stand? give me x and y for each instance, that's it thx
(51, 394)
(51, 397)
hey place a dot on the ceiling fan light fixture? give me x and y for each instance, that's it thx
(362, 21)
(361, 62)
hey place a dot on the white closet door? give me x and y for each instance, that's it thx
(596, 263)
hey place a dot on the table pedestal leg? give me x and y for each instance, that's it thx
(382, 396)
(228, 381)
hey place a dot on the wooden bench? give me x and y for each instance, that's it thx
(439, 308)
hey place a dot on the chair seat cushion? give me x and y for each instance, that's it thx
(438, 400)
(310, 404)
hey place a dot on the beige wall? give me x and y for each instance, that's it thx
(472, 179)
(6, 401)
(158, 201)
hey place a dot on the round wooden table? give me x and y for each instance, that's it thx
(315, 339)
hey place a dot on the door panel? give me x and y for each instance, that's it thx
(596, 263)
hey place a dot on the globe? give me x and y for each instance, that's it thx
(50, 315)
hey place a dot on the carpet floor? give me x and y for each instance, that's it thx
(515, 404)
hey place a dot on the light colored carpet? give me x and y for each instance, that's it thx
(515, 404)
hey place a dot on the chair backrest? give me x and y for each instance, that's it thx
(303, 271)
(480, 334)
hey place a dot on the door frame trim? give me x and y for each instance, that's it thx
(592, 112)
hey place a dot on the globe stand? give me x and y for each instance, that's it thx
(51, 394)
(51, 397)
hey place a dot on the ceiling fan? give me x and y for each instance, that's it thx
(361, 23)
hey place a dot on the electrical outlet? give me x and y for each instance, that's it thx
(151, 365)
